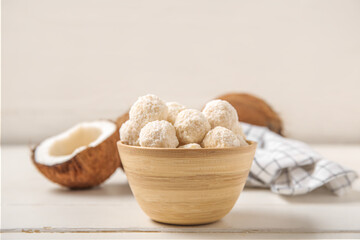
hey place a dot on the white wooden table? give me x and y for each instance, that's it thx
(34, 208)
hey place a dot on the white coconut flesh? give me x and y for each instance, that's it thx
(65, 146)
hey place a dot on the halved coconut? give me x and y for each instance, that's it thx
(119, 121)
(81, 157)
(122, 119)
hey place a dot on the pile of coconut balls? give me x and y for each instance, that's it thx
(154, 123)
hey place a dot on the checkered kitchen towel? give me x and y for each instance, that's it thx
(291, 167)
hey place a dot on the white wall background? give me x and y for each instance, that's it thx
(66, 61)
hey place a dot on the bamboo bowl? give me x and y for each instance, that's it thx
(186, 186)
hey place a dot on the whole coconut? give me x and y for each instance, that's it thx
(254, 110)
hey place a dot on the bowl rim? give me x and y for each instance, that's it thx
(252, 145)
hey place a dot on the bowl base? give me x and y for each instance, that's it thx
(184, 223)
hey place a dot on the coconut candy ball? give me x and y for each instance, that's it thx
(220, 113)
(148, 108)
(158, 134)
(191, 145)
(242, 140)
(237, 129)
(129, 132)
(191, 126)
(174, 109)
(220, 137)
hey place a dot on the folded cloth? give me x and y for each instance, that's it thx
(291, 167)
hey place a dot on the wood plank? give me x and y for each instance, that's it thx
(154, 235)
(31, 203)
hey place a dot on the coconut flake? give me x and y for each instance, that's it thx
(66, 145)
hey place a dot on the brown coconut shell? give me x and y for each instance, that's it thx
(123, 118)
(254, 110)
(88, 168)
(119, 121)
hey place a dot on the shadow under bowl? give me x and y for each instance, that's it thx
(186, 186)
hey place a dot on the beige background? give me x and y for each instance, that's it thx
(66, 61)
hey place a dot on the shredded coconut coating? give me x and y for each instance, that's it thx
(237, 129)
(174, 109)
(148, 108)
(191, 126)
(220, 137)
(220, 113)
(242, 140)
(158, 134)
(190, 145)
(129, 132)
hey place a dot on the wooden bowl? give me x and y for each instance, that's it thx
(186, 186)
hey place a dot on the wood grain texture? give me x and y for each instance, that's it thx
(160, 235)
(186, 186)
(31, 204)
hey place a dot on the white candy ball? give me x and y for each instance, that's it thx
(191, 126)
(220, 137)
(174, 109)
(129, 133)
(220, 113)
(158, 134)
(191, 145)
(148, 108)
(237, 129)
